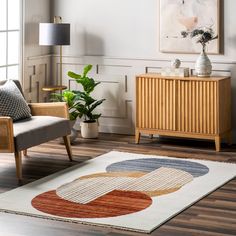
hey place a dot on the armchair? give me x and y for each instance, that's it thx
(49, 121)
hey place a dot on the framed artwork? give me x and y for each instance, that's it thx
(177, 16)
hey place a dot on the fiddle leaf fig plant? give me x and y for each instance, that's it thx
(86, 103)
(80, 103)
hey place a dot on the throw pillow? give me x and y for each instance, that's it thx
(12, 102)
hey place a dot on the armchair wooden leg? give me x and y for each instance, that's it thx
(68, 146)
(18, 160)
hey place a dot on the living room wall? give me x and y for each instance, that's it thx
(34, 13)
(121, 39)
(37, 59)
(129, 29)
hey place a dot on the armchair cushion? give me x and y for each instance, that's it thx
(39, 129)
(12, 102)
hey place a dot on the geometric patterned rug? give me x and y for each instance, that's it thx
(121, 190)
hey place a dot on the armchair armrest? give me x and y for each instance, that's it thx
(59, 109)
(6, 134)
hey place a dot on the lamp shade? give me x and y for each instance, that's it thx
(54, 34)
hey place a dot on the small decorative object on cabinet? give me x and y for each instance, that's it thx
(184, 107)
(175, 69)
(175, 63)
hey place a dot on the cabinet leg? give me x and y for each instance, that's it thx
(137, 136)
(217, 143)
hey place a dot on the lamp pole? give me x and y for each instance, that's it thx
(58, 20)
(60, 65)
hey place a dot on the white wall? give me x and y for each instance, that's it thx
(35, 12)
(128, 29)
(37, 63)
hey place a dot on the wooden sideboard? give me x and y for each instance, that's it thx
(190, 107)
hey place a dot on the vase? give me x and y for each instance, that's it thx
(203, 65)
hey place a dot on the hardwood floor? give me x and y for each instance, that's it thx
(214, 215)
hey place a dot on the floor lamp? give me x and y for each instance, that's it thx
(55, 34)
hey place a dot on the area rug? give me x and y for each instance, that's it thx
(121, 190)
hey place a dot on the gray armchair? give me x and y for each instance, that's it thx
(49, 121)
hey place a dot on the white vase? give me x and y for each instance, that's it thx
(89, 129)
(203, 65)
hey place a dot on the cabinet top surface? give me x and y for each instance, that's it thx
(155, 75)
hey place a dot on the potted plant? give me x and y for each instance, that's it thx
(71, 99)
(86, 104)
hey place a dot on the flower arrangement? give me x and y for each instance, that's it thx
(201, 35)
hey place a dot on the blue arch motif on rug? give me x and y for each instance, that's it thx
(151, 164)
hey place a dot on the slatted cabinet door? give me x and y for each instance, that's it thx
(156, 103)
(197, 106)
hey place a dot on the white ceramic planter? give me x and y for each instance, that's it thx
(203, 65)
(89, 130)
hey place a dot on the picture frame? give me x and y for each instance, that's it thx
(186, 15)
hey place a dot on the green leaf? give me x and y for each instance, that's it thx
(73, 75)
(73, 115)
(96, 116)
(86, 70)
(87, 99)
(97, 103)
(69, 97)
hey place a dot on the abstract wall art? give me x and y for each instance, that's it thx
(177, 16)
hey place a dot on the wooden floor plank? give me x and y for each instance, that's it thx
(212, 216)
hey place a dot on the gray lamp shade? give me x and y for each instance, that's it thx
(54, 34)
